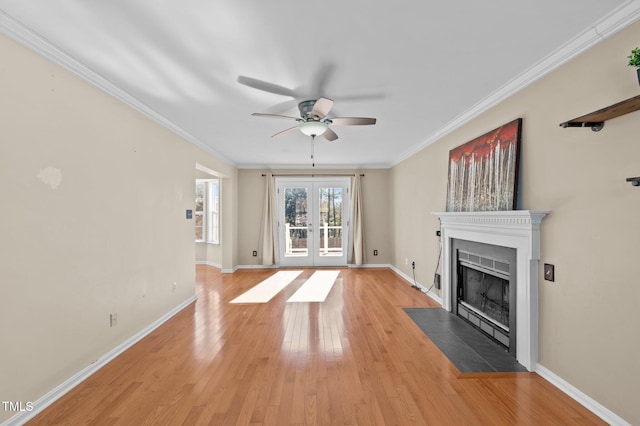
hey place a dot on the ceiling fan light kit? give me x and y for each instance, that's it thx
(313, 128)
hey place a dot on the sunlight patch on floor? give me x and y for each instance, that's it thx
(316, 288)
(267, 289)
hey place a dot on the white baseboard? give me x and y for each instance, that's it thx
(207, 263)
(589, 403)
(350, 265)
(370, 265)
(421, 287)
(256, 267)
(217, 266)
(60, 390)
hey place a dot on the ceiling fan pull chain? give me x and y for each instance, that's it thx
(313, 139)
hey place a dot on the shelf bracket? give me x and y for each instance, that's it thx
(595, 126)
(635, 181)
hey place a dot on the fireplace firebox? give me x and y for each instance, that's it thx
(484, 290)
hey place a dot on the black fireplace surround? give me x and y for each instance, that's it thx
(483, 289)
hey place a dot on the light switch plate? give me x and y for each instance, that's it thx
(549, 272)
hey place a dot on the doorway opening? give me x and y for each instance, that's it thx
(207, 217)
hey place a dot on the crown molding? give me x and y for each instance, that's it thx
(34, 41)
(616, 21)
(620, 18)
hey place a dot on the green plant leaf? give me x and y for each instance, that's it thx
(634, 58)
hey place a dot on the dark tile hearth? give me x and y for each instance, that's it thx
(467, 348)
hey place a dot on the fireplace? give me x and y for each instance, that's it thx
(518, 230)
(484, 289)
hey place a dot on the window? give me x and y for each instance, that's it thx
(199, 213)
(207, 212)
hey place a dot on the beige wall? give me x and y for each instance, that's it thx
(92, 221)
(375, 204)
(589, 317)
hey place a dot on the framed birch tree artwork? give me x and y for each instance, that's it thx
(483, 173)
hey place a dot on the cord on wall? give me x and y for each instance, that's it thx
(413, 268)
(415, 284)
(436, 275)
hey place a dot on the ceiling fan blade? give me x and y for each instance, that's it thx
(330, 135)
(322, 107)
(284, 117)
(360, 97)
(353, 121)
(265, 86)
(322, 77)
(283, 107)
(284, 132)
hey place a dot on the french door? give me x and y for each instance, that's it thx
(312, 221)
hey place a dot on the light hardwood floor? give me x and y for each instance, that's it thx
(356, 358)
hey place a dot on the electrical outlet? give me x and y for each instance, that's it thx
(255, 253)
(413, 264)
(113, 319)
(436, 281)
(406, 260)
(375, 252)
(173, 287)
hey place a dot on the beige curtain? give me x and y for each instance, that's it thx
(357, 226)
(267, 230)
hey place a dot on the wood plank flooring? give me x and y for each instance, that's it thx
(355, 359)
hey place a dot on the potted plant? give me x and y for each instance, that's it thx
(634, 60)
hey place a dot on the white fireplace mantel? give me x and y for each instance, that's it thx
(519, 229)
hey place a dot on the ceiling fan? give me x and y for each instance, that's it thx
(313, 120)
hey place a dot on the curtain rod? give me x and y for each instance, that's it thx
(313, 175)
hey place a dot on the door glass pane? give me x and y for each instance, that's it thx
(296, 221)
(330, 226)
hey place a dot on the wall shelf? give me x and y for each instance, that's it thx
(596, 119)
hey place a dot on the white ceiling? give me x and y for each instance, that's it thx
(420, 68)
